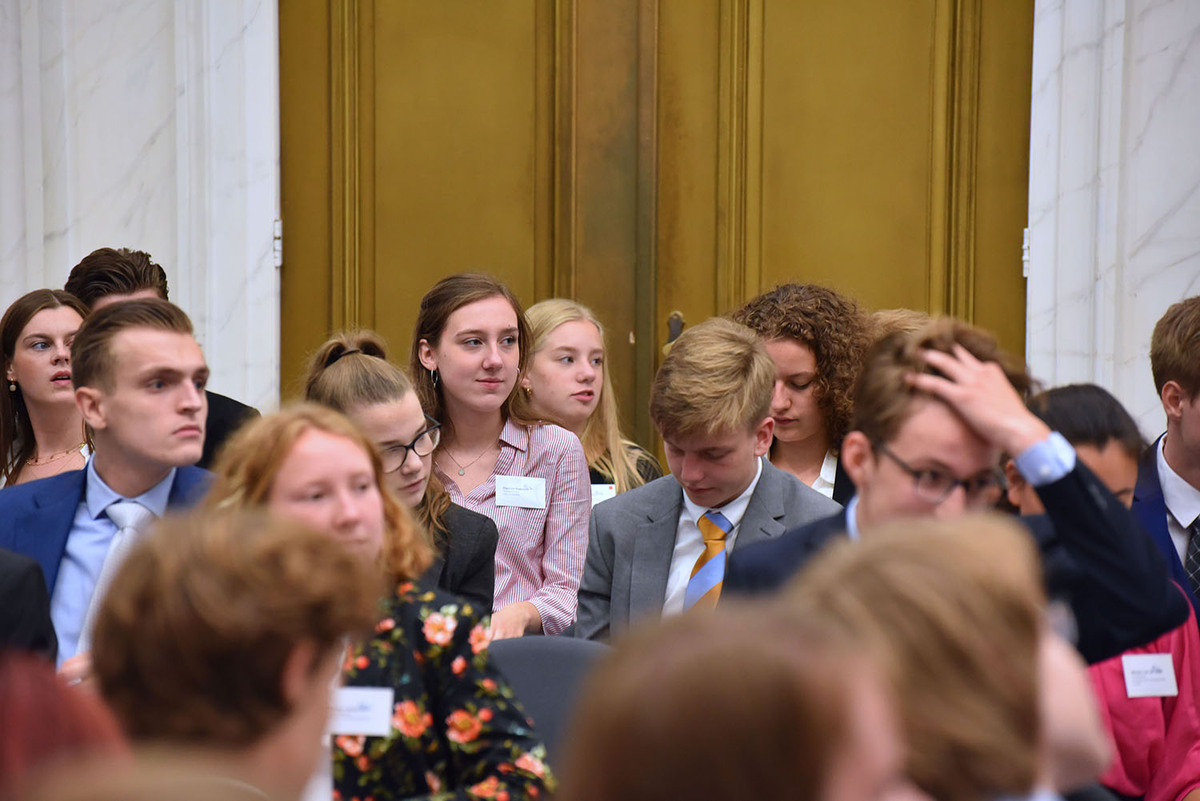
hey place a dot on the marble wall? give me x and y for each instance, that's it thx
(1114, 189)
(150, 124)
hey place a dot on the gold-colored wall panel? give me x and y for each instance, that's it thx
(463, 171)
(846, 130)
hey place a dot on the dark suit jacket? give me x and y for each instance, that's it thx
(1151, 511)
(467, 564)
(632, 538)
(225, 416)
(1093, 553)
(35, 518)
(25, 606)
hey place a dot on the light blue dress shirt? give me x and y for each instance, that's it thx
(87, 545)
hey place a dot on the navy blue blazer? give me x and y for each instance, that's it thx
(1151, 511)
(35, 518)
(1094, 556)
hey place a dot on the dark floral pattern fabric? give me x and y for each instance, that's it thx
(457, 732)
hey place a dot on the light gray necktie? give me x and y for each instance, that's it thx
(131, 519)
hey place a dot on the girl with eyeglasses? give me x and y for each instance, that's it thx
(351, 374)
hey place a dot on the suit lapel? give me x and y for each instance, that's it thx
(189, 486)
(654, 544)
(43, 533)
(1148, 502)
(764, 513)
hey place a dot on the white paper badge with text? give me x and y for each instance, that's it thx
(523, 491)
(362, 710)
(602, 492)
(1149, 676)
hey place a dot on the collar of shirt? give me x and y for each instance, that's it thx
(733, 511)
(515, 435)
(1181, 498)
(99, 496)
(824, 481)
(852, 520)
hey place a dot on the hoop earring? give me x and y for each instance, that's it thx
(433, 376)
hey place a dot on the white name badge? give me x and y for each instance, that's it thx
(362, 710)
(523, 491)
(602, 492)
(1149, 676)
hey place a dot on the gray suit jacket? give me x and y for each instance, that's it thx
(632, 538)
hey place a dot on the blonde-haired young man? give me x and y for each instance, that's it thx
(661, 548)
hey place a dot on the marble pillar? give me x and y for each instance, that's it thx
(154, 125)
(1114, 189)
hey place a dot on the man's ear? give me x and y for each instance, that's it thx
(298, 672)
(1173, 398)
(857, 457)
(425, 355)
(90, 402)
(762, 436)
(1015, 482)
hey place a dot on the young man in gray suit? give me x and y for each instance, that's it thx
(661, 549)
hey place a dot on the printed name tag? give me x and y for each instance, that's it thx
(602, 492)
(362, 710)
(1149, 676)
(522, 491)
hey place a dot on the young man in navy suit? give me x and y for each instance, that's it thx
(112, 275)
(139, 380)
(1167, 496)
(934, 411)
(660, 549)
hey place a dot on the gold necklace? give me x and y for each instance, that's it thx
(37, 461)
(462, 468)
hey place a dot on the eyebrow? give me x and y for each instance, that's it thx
(479, 332)
(167, 371)
(40, 335)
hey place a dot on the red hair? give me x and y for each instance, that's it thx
(43, 721)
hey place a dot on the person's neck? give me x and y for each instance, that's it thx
(1185, 463)
(127, 479)
(253, 769)
(473, 430)
(56, 428)
(802, 458)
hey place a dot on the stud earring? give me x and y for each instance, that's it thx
(12, 385)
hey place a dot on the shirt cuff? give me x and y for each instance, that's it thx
(1047, 461)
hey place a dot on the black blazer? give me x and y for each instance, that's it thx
(225, 415)
(25, 606)
(1094, 554)
(467, 564)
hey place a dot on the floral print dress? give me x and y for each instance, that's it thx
(457, 732)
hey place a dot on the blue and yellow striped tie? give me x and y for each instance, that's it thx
(704, 587)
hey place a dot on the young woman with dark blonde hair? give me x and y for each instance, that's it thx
(567, 382)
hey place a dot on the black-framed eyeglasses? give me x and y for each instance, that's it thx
(934, 486)
(422, 445)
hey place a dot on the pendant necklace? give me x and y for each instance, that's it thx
(462, 468)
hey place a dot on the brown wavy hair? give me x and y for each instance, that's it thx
(249, 461)
(194, 635)
(17, 445)
(954, 609)
(883, 396)
(352, 370)
(830, 324)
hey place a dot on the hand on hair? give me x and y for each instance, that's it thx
(982, 396)
(77, 671)
(516, 620)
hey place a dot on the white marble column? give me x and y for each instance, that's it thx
(154, 125)
(1114, 189)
